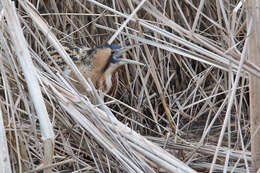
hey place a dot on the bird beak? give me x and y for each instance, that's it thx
(121, 51)
(129, 61)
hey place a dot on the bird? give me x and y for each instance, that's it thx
(100, 64)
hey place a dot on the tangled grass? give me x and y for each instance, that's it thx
(172, 115)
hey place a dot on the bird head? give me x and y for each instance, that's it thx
(110, 56)
(106, 59)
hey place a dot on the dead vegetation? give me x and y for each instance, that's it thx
(189, 102)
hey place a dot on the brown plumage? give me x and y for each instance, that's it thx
(99, 64)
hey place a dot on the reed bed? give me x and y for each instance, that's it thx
(186, 110)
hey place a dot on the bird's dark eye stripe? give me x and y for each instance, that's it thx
(107, 64)
(110, 60)
(106, 67)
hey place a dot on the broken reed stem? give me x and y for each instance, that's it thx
(31, 78)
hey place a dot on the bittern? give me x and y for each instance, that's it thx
(100, 64)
